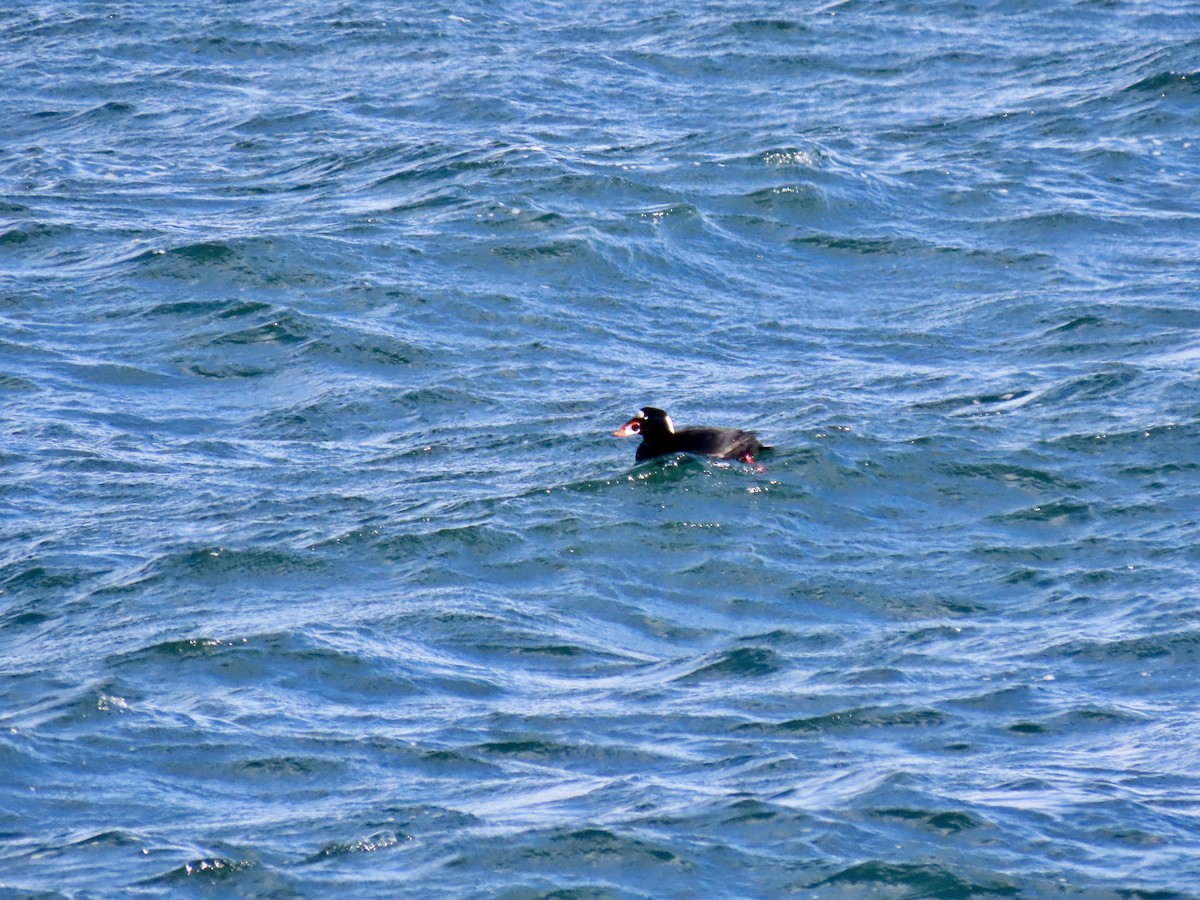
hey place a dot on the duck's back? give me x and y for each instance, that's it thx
(722, 443)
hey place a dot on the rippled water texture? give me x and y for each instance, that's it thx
(321, 573)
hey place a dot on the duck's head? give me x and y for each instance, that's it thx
(649, 421)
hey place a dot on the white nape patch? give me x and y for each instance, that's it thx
(670, 424)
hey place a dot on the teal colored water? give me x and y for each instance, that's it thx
(320, 570)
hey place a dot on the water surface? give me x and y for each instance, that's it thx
(320, 571)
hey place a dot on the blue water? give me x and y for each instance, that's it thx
(320, 571)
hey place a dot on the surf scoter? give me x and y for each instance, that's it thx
(659, 438)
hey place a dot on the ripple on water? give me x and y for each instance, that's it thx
(1179, 647)
(741, 662)
(920, 880)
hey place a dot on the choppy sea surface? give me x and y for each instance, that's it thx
(320, 570)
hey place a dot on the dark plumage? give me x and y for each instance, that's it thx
(659, 438)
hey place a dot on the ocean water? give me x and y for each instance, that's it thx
(320, 570)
